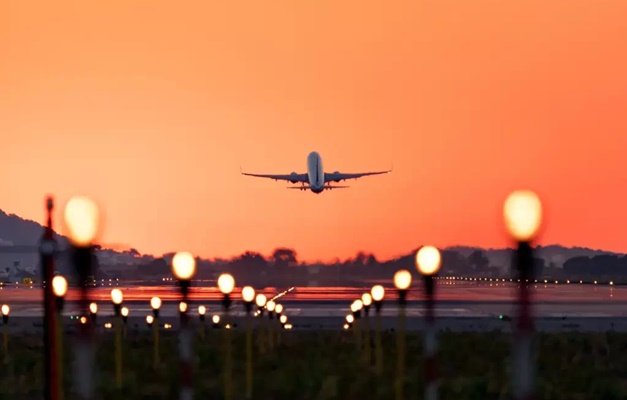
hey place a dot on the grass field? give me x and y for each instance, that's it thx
(310, 365)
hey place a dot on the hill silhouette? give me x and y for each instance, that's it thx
(553, 261)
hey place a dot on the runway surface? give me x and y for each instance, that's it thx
(455, 299)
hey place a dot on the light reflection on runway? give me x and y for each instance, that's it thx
(455, 298)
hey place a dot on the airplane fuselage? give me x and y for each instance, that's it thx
(315, 172)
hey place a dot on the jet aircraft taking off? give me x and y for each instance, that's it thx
(316, 178)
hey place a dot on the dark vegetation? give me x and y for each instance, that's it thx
(317, 365)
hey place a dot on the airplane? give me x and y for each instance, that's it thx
(317, 179)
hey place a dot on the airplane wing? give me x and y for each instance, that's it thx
(293, 177)
(339, 176)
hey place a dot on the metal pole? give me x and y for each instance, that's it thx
(367, 339)
(47, 249)
(523, 374)
(85, 354)
(228, 359)
(378, 344)
(400, 345)
(186, 348)
(430, 342)
(249, 351)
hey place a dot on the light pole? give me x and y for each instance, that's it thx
(428, 261)
(82, 218)
(184, 268)
(116, 299)
(215, 320)
(155, 304)
(226, 284)
(59, 289)
(278, 310)
(260, 301)
(202, 310)
(350, 319)
(522, 212)
(248, 295)
(124, 313)
(5, 322)
(93, 313)
(356, 307)
(402, 282)
(378, 292)
(47, 251)
(270, 306)
(366, 300)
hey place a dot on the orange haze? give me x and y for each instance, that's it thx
(152, 106)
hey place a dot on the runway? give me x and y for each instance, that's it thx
(455, 299)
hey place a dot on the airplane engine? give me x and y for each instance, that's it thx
(294, 174)
(336, 173)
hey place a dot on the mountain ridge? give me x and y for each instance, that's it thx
(18, 231)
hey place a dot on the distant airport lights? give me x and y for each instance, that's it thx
(428, 263)
(184, 269)
(402, 282)
(522, 214)
(226, 284)
(378, 292)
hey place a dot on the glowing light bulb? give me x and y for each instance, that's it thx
(155, 303)
(215, 319)
(116, 296)
(270, 305)
(260, 300)
(377, 292)
(5, 309)
(182, 307)
(522, 212)
(283, 319)
(82, 218)
(226, 283)
(124, 312)
(278, 308)
(350, 318)
(150, 319)
(428, 260)
(202, 310)
(59, 286)
(183, 266)
(366, 298)
(93, 308)
(402, 279)
(248, 294)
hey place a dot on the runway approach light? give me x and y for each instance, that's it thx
(428, 260)
(82, 218)
(522, 212)
(402, 279)
(377, 292)
(183, 266)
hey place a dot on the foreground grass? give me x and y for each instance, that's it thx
(318, 365)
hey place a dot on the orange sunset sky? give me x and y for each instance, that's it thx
(152, 106)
